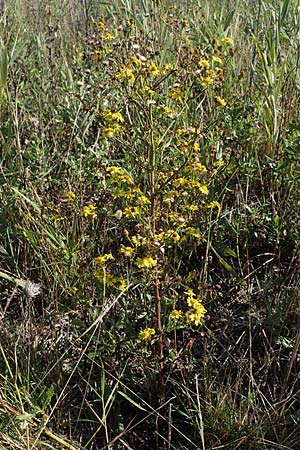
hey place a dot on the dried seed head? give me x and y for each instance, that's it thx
(32, 289)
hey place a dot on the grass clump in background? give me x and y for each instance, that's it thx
(149, 225)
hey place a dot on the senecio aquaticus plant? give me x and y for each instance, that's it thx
(160, 197)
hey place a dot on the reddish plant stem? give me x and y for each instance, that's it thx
(160, 342)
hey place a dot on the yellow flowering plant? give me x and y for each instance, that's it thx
(157, 183)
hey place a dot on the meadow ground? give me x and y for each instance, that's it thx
(149, 225)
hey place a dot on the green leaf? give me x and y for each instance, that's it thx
(229, 252)
(131, 401)
(225, 265)
(228, 19)
(276, 221)
(3, 67)
(24, 417)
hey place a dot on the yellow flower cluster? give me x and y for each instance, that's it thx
(204, 63)
(176, 93)
(196, 313)
(210, 71)
(137, 68)
(195, 167)
(136, 60)
(101, 26)
(100, 54)
(186, 146)
(126, 74)
(113, 123)
(217, 60)
(105, 37)
(119, 176)
(186, 132)
(166, 68)
(166, 110)
(138, 240)
(133, 195)
(122, 184)
(89, 211)
(171, 235)
(146, 263)
(147, 90)
(106, 278)
(109, 280)
(146, 334)
(187, 183)
(110, 116)
(191, 231)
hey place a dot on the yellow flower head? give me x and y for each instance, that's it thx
(136, 60)
(168, 111)
(132, 212)
(205, 81)
(218, 60)
(114, 170)
(204, 189)
(194, 303)
(220, 100)
(127, 251)
(214, 204)
(101, 260)
(165, 68)
(219, 163)
(121, 284)
(101, 25)
(197, 311)
(227, 40)
(190, 293)
(204, 63)
(69, 196)
(153, 69)
(176, 314)
(137, 240)
(143, 200)
(199, 166)
(107, 36)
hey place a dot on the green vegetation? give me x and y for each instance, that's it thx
(149, 225)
